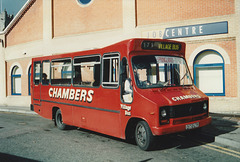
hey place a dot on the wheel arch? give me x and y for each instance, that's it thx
(130, 128)
(54, 110)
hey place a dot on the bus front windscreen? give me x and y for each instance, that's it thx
(160, 71)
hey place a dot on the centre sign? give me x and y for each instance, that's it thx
(188, 31)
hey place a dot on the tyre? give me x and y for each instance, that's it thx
(143, 136)
(58, 120)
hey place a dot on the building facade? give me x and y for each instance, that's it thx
(48, 27)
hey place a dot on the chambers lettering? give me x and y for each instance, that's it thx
(184, 97)
(71, 94)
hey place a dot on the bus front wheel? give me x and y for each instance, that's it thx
(58, 120)
(143, 136)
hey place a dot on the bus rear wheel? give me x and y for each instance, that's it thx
(58, 120)
(143, 136)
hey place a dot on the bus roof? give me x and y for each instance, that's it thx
(144, 44)
(125, 47)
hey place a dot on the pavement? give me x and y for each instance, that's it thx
(224, 129)
(17, 109)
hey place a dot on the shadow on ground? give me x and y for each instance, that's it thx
(195, 138)
(7, 158)
(183, 140)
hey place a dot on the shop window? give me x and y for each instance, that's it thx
(16, 81)
(209, 73)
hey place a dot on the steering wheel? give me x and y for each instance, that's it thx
(146, 82)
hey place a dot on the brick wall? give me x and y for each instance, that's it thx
(160, 11)
(29, 27)
(71, 18)
(230, 69)
(24, 65)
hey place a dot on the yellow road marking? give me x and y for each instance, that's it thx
(228, 153)
(236, 126)
(217, 148)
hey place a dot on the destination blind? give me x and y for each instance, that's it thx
(157, 45)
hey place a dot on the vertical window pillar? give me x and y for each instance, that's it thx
(16, 81)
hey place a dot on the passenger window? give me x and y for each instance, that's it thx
(45, 72)
(61, 73)
(36, 75)
(111, 70)
(86, 71)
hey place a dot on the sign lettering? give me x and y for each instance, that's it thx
(188, 31)
(184, 97)
(71, 94)
(156, 45)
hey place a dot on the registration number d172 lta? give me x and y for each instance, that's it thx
(192, 126)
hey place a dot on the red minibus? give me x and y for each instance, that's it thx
(137, 88)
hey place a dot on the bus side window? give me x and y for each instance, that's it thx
(110, 70)
(86, 71)
(126, 82)
(61, 73)
(36, 75)
(45, 72)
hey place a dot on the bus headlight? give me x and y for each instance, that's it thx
(205, 106)
(163, 113)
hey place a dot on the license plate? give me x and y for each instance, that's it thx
(192, 126)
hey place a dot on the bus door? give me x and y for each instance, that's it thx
(36, 84)
(126, 88)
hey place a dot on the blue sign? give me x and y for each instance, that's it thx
(196, 30)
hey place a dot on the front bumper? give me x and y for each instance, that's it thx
(170, 128)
